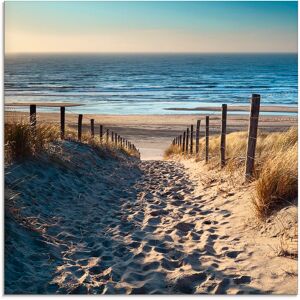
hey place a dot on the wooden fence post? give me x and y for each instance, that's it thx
(62, 122)
(192, 139)
(180, 141)
(183, 142)
(187, 141)
(101, 133)
(32, 114)
(107, 135)
(223, 135)
(92, 128)
(197, 136)
(252, 136)
(116, 139)
(112, 136)
(206, 138)
(79, 127)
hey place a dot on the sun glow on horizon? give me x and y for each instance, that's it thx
(150, 27)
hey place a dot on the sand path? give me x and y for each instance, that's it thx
(107, 228)
(160, 242)
(169, 238)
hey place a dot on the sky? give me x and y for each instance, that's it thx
(156, 27)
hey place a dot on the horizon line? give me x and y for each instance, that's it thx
(164, 52)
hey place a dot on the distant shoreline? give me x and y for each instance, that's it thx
(278, 110)
(237, 108)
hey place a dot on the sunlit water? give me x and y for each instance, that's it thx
(148, 84)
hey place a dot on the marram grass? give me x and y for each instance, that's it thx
(21, 141)
(276, 165)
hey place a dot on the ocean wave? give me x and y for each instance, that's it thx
(152, 79)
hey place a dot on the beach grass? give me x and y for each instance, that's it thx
(22, 141)
(276, 173)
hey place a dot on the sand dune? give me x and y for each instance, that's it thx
(78, 223)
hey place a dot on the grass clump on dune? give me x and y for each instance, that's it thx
(277, 184)
(276, 161)
(22, 141)
(172, 150)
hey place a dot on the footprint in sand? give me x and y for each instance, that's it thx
(232, 254)
(187, 284)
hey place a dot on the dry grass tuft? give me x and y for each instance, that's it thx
(22, 142)
(277, 184)
(172, 150)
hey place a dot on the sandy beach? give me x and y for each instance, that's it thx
(148, 228)
(152, 134)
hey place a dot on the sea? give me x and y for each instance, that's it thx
(122, 84)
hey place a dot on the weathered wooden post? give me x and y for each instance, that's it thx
(187, 141)
(206, 138)
(32, 114)
(183, 142)
(180, 141)
(192, 139)
(79, 127)
(223, 135)
(112, 136)
(62, 122)
(101, 134)
(197, 136)
(116, 139)
(252, 136)
(92, 128)
(107, 135)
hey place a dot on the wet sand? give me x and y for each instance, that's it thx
(236, 108)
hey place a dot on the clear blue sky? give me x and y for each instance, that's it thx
(151, 26)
